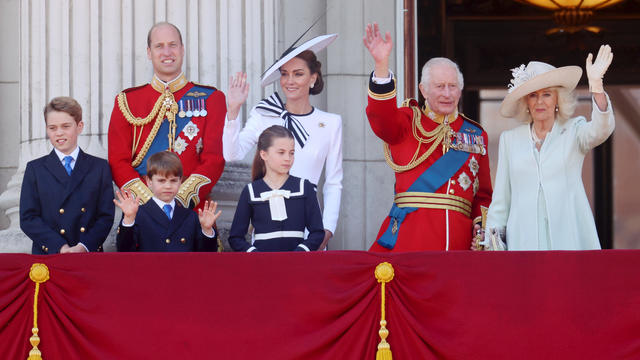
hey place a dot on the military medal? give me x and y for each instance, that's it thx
(196, 109)
(189, 112)
(182, 113)
(203, 111)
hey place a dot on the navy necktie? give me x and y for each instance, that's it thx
(167, 210)
(67, 164)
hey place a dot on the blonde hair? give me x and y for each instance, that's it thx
(567, 102)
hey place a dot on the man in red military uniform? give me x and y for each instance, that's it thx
(171, 114)
(439, 157)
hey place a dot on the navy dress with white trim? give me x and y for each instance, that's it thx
(279, 217)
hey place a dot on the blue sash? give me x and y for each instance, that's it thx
(429, 181)
(161, 141)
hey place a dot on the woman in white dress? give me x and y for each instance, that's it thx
(318, 134)
(538, 197)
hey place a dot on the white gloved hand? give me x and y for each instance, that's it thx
(493, 240)
(596, 70)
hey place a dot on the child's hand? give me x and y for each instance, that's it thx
(208, 216)
(128, 204)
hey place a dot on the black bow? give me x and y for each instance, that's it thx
(274, 105)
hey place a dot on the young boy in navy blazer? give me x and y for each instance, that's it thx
(161, 224)
(66, 198)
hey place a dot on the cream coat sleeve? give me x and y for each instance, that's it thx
(592, 133)
(501, 201)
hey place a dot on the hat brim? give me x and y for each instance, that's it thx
(566, 77)
(316, 44)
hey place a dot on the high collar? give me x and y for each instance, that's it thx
(437, 117)
(173, 85)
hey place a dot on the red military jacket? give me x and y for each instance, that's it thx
(428, 228)
(199, 144)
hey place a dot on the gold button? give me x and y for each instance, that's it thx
(62, 231)
(61, 211)
(83, 210)
(81, 229)
(183, 240)
(168, 241)
(453, 182)
(43, 247)
(118, 231)
(451, 191)
(46, 249)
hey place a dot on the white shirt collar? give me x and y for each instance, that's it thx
(162, 203)
(74, 154)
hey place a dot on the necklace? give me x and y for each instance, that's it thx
(535, 137)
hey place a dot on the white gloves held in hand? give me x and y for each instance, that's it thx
(596, 70)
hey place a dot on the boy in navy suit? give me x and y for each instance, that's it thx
(161, 225)
(66, 198)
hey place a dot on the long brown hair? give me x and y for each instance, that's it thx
(315, 67)
(259, 169)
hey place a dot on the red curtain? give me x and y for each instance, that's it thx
(324, 305)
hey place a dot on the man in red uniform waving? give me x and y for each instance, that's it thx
(171, 114)
(438, 155)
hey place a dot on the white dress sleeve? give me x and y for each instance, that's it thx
(593, 133)
(236, 143)
(332, 189)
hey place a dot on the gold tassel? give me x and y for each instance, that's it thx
(39, 273)
(384, 274)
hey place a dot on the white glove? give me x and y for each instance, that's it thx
(493, 240)
(596, 70)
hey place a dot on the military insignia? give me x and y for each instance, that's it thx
(195, 94)
(476, 186)
(464, 181)
(199, 146)
(190, 130)
(321, 125)
(473, 165)
(189, 112)
(203, 107)
(182, 113)
(179, 146)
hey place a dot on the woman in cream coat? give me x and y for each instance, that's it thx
(539, 196)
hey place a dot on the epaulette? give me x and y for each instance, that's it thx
(133, 88)
(410, 102)
(204, 86)
(471, 121)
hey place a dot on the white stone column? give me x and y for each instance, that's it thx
(92, 49)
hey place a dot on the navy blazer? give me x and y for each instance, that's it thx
(153, 231)
(58, 209)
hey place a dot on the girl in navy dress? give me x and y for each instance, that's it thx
(278, 205)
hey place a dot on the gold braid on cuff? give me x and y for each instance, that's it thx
(189, 189)
(139, 190)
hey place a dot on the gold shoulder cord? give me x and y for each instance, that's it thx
(435, 137)
(165, 105)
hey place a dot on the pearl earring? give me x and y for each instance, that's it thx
(527, 110)
(314, 84)
(557, 108)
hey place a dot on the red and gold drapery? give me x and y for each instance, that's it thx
(324, 305)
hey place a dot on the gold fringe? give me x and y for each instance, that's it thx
(39, 273)
(384, 274)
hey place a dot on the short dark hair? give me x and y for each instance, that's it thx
(162, 23)
(64, 104)
(164, 163)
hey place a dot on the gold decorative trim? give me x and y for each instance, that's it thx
(139, 190)
(173, 85)
(384, 273)
(189, 189)
(39, 274)
(433, 201)
(386, 96)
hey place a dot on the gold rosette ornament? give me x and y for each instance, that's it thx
(39, 273)
(384, 273)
